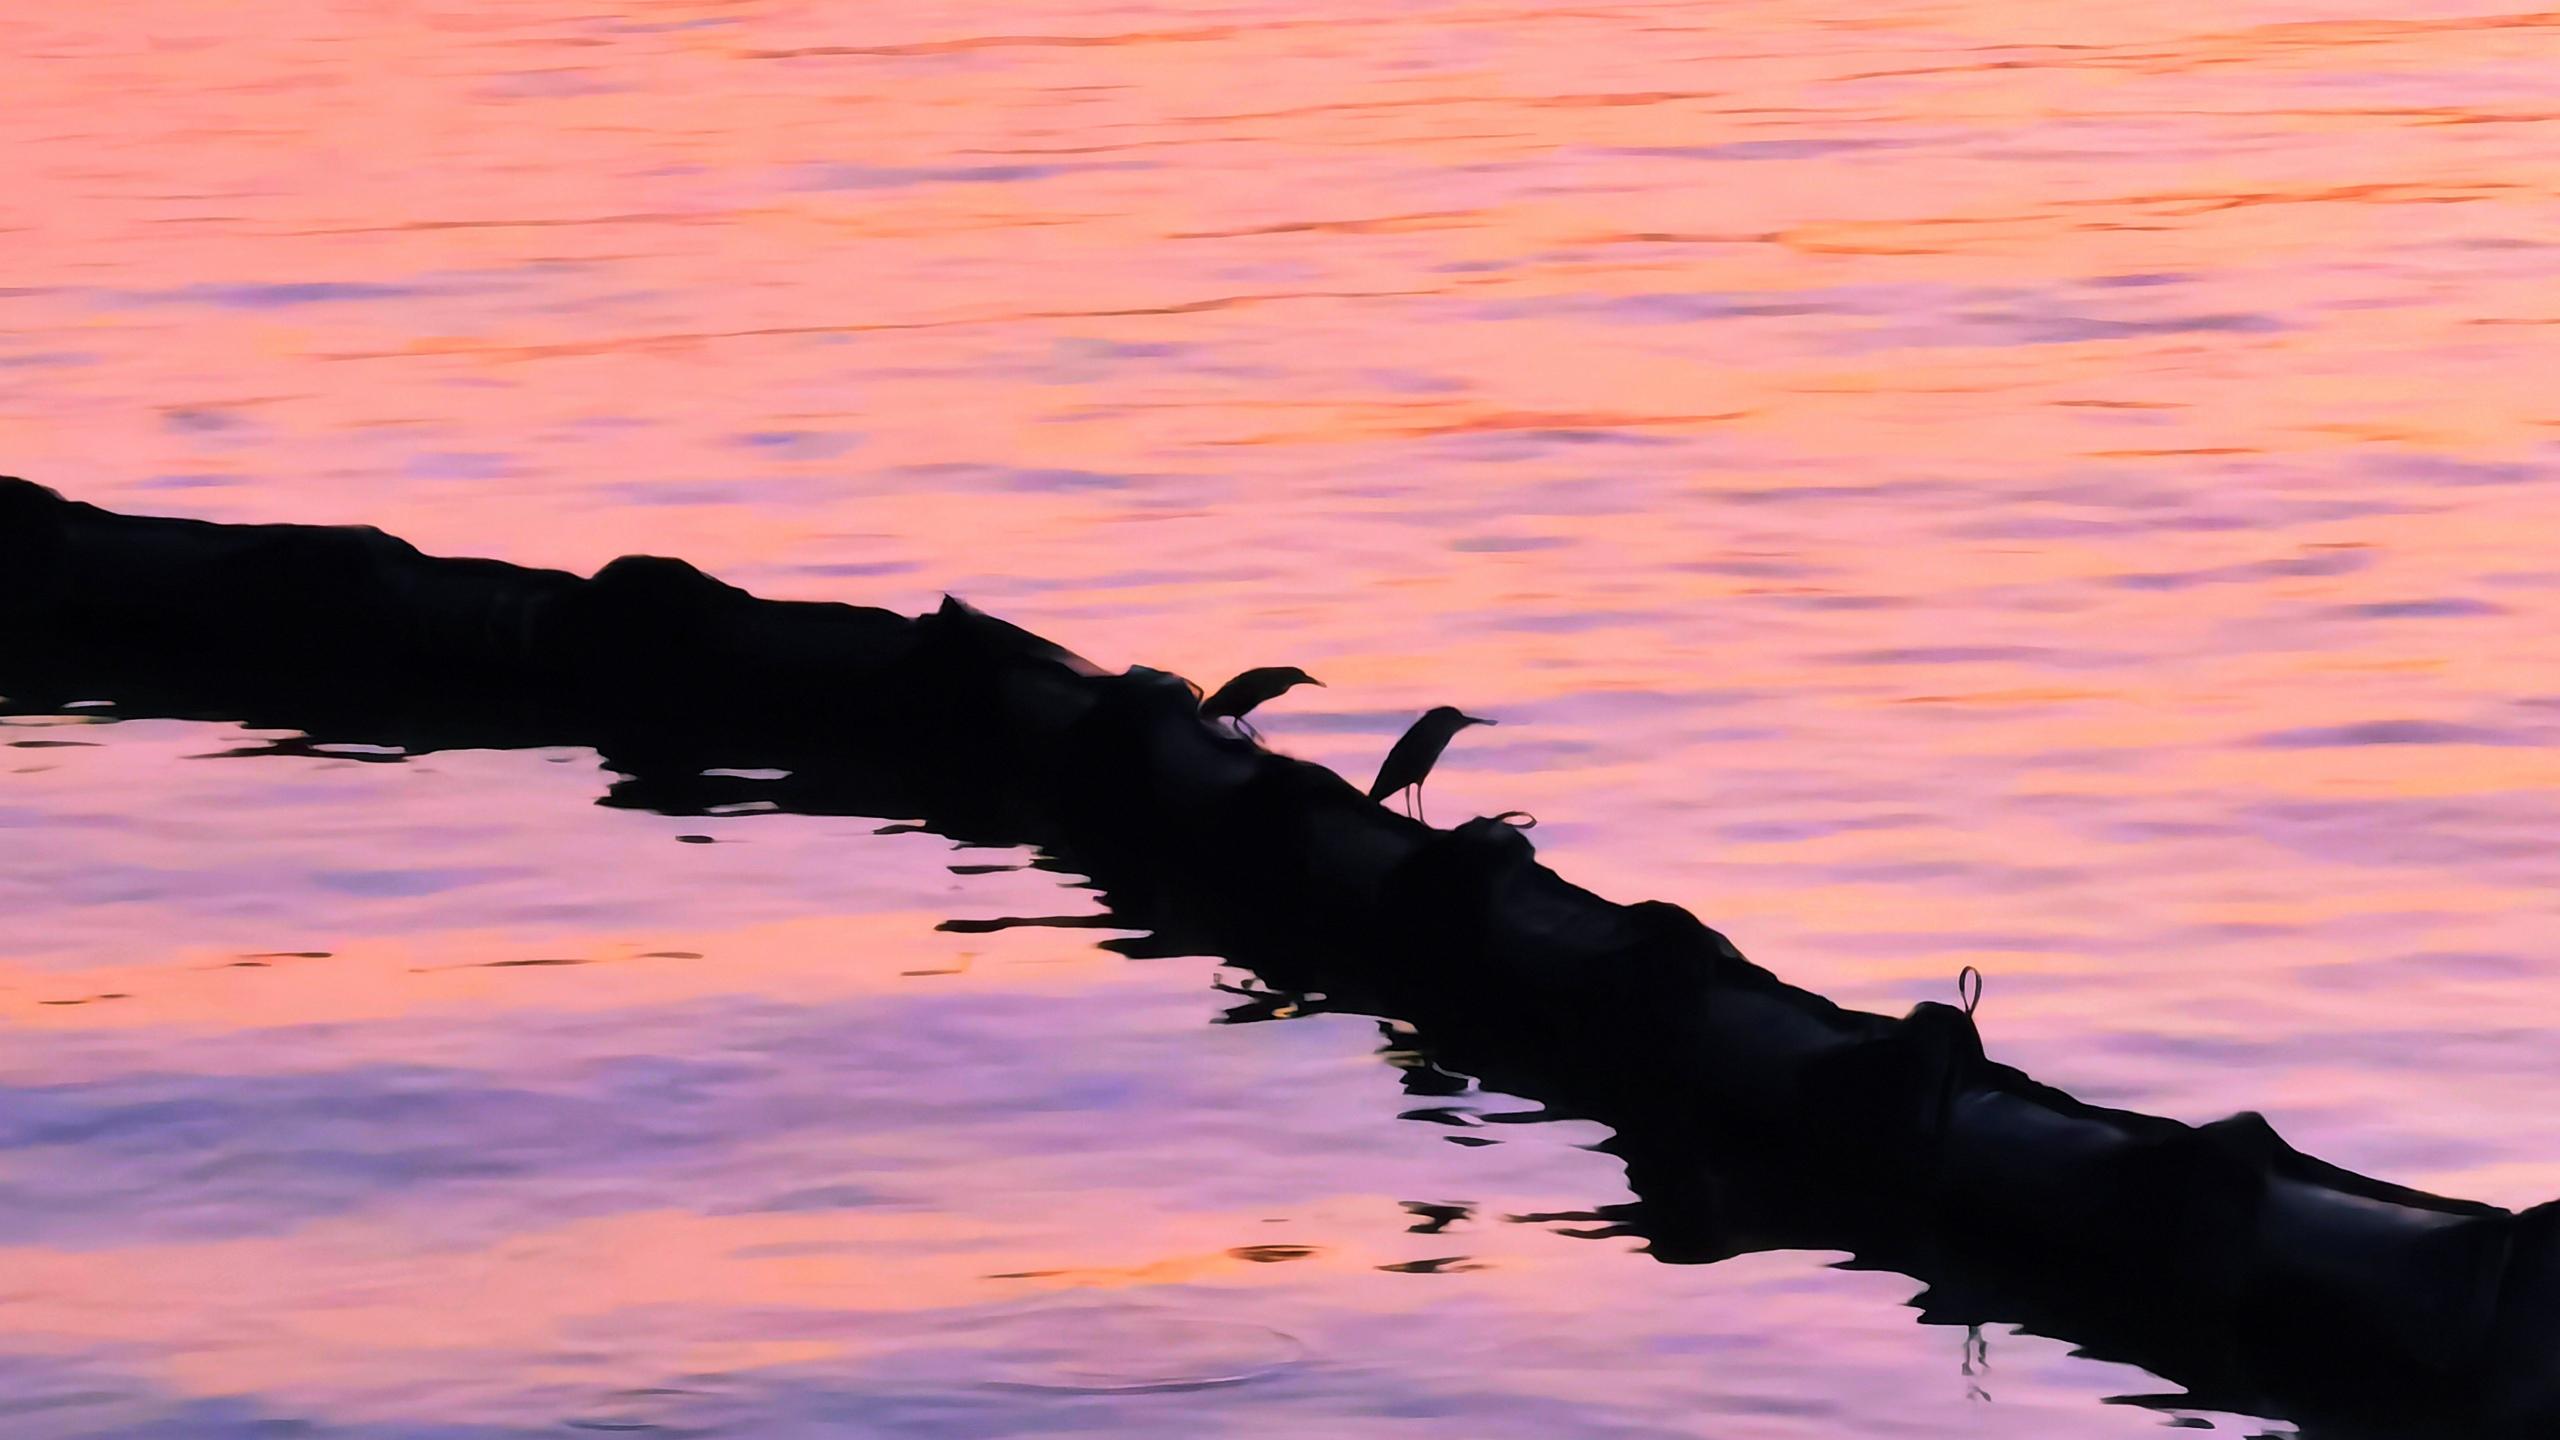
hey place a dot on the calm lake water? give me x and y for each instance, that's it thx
(2062, 488)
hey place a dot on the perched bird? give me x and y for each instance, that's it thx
(1409, 762)
(1243, 693)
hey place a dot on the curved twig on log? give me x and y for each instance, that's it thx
(1750, 1114)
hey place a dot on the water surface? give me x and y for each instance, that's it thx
(2055, 488)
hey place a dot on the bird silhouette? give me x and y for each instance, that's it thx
(1232, 700)
(1409, 761)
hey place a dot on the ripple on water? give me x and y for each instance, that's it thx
(1105, 1348)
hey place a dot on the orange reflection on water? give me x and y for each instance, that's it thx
(2065, 490)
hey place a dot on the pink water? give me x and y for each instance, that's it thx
(2062, 488)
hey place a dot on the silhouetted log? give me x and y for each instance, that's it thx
(1898, 1130)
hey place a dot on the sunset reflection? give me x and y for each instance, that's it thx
(2058, 489)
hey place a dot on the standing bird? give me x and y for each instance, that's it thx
(1250, 689)
(1409, 762)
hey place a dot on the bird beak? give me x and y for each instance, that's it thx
(1318, 683)
(1478, 720)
